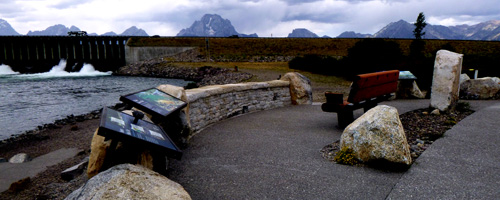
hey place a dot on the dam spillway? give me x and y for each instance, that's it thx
(33, 54)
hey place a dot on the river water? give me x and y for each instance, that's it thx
(31, 100)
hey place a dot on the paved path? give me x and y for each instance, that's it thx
(465, 164)
(275, 154)
(10, 172)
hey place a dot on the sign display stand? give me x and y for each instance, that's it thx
(154, 102)
(120, 126)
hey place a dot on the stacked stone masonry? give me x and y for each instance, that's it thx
(211, 104)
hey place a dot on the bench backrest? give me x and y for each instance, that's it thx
(367, 86)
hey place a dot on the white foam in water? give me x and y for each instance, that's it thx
(58, 71)
(6, 70)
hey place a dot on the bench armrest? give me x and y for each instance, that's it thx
(334, 98)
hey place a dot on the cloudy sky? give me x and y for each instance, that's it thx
(264, 17)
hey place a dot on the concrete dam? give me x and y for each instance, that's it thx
(33, 54)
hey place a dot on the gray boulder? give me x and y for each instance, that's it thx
(300, 88)
(74, 171)
(20, 158)
(128, 181)
(378, 135)
(481, 88)
(463, 78)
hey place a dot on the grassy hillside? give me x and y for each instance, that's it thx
(335, 55)
(266, 71)
(244, 47)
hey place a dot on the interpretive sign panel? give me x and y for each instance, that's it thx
(120, 126)
(154, 102)
(406, 75)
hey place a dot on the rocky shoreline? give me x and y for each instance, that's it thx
(202, 76)
(57, 124)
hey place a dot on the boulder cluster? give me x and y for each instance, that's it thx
(480, 88)
(202, 76)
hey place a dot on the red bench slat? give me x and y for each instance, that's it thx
(372, 85)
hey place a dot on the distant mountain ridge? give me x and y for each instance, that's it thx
(302, 33)
(212, 25)
(61, 30)
(6, 28)
(489, 30)
(57, 29)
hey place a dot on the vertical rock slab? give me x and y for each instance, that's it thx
(377, 135)
(446, 80)
(300, 88)
(98, 148)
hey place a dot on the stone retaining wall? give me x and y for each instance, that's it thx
(211, 104)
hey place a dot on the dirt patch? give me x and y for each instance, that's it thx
(49, 184)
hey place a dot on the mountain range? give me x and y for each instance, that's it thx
(302, 33)
(61, 30)
(489, 30)
(213, 25)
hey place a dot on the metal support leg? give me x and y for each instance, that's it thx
(345, 118)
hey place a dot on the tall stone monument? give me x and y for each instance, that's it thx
(446, 80)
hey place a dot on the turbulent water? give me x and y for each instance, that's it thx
(31, 100)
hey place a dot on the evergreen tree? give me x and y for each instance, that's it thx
(419, 26)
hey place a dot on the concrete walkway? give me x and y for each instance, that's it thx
(10, 172)
(275, 154)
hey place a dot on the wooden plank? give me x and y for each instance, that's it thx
(373, 91)
(377, 78)
(371, 85)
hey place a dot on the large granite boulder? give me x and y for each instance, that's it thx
(446, 79)
(481, 88)
(300, 88)
(128, 181)
(378, 135)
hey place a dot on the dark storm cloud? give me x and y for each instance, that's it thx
(264, 17)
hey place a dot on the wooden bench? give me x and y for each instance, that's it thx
(367, 90)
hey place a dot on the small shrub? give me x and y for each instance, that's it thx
(463, 106)
(450, 122)
(346, 156)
